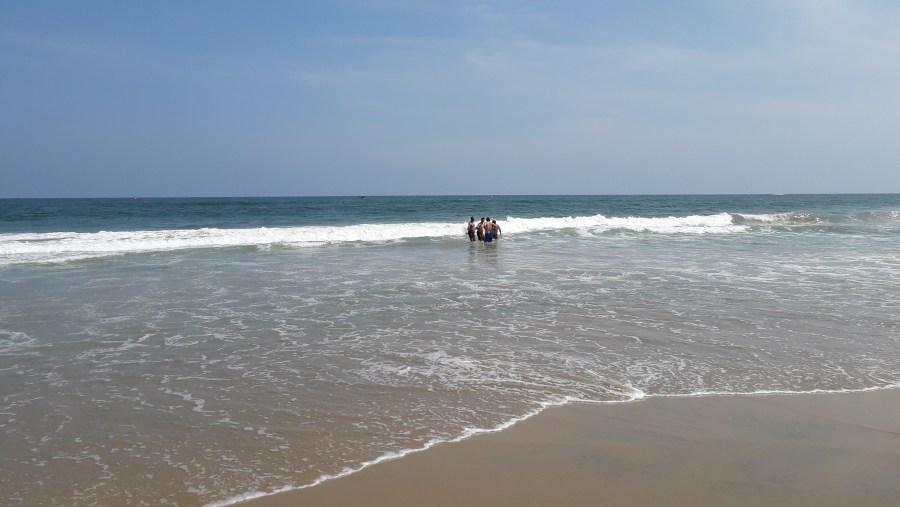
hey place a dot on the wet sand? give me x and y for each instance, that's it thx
(775, 450)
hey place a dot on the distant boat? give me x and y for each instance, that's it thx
(360, 197)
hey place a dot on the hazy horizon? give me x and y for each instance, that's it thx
(146, 197)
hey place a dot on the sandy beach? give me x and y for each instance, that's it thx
(811, 449)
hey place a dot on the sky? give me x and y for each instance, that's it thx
(406, 97)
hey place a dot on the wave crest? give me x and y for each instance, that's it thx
(793, 218)
(58, 247)
(721, 223)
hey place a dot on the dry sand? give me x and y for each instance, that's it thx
(773, 450)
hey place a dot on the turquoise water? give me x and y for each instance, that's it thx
(91, 215)
(194, 351)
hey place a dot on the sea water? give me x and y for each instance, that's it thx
(204, 351)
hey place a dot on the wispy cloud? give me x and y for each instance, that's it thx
(65, 47)
(527, 85)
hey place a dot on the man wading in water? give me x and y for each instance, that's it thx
(488, 230)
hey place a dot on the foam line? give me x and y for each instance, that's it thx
(633, 395)
(58, 247)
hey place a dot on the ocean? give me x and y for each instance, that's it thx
(207, 351)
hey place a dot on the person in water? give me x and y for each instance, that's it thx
(488, 230)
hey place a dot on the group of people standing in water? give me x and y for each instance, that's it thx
(486, 230)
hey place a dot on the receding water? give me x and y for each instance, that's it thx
(183, 352)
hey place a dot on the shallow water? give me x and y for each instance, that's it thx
(188, 360)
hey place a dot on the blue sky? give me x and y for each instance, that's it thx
(397, 97)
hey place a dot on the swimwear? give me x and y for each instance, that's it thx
(488, 237)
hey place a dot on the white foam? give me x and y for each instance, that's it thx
(778, 392)
(721, 223)
(15, 341)
(199, 403)
(793, 218)
(632, 395)
(68, 246)
(57, 247)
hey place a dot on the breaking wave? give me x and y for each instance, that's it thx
(58, 247)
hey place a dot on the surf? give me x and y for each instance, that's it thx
(54, 247)
(62, 247)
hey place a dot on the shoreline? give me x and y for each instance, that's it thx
(825, 448)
